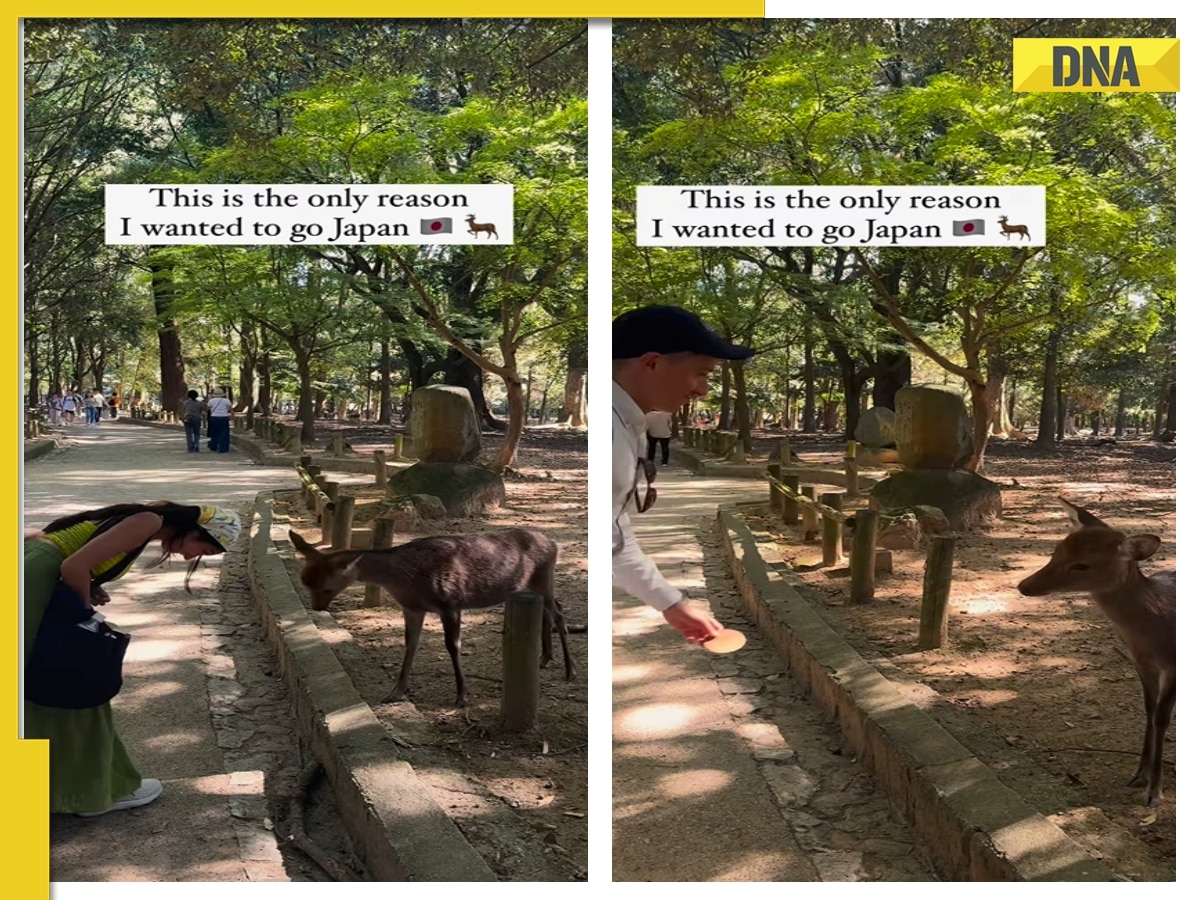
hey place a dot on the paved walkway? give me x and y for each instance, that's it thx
(200, 708)
(721, 770)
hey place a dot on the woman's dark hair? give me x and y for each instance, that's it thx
(192, 395)
(179, 518)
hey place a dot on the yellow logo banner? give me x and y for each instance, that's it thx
(1096, 64)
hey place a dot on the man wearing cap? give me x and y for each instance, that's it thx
(662, 358)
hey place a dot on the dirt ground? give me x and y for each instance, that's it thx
(540, 776)
(1040, 688)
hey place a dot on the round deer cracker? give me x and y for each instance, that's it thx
(725, 641)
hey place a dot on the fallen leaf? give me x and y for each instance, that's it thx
(1150, 819)
(545, 748)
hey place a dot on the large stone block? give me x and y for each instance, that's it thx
(444, 425)
(933, 430)
(967, 499)
(465, 490)
(876, 427)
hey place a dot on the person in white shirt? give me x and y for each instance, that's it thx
(658, 433)
(219, 412)
(662, 357)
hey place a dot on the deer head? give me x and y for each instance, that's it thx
(325, 574)
(1093, 557)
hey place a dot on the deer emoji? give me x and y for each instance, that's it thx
(485, 227)
(1007, 229)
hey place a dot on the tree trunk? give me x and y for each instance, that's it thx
(306, 407)
(852, 387)
(529, 388)
(743, 403)
(893, 371)
(808, 423)
(263, 365)
(31, 354)
(247, 359)
(726, 417)
(980, 409)
(829, 415)
(1050, 418)
(170, 352)
(572, 409)
(1121, 419)
(463, 372)
(514, 390)
(1168, 431)
(577, 359)
(385, 382)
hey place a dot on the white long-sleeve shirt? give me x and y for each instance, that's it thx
(633, 571)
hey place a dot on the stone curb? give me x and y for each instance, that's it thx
(39, 447)
(401, 832)
(975, 827)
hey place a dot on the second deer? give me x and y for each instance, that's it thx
(476, 227)
(444, 575)
(1104, 562)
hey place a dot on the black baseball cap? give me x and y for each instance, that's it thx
(669, 329)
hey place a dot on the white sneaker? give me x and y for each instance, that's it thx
(147, 793)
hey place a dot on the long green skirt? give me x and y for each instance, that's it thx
(89, 768)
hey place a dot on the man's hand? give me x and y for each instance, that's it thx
(695, 626)
(99, 595)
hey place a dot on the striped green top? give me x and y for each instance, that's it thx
(71, 539)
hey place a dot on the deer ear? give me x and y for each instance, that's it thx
(1142, 546)
(1080, 517)
(350, 567)
(307, 550)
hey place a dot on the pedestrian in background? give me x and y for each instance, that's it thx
(658, 432)
(219, 412)
(193, 417)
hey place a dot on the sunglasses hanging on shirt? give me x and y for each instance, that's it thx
(645, 501)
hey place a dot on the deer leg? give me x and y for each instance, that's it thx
(414, 620)
(547, 638)
(1162, 721)
(452, 627)
(561, 623)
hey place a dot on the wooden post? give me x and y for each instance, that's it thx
(862, 556)
(785, 451)
(776, 498)
(791, 508)
(381, 476)
(935, 596)
(398, 446)
(381, 539)
(310, 497)
(343, 521)
(332, 488)
(811, 525)
(339, 444)
(305, 460)
(521, 652)
(831, 531)
(852, 468)
(327, 523)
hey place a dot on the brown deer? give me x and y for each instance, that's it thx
(1104, 562)
(485, 227)
(444, 575)
(1007, 229)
